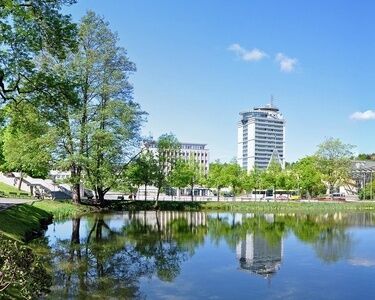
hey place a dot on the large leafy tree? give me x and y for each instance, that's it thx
(96, 122)
(26, 29)
(334, 162)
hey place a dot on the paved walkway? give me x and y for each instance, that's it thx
(9, 202)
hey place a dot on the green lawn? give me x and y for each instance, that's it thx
(8, 188)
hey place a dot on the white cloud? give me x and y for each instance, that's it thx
(362, 262)
(287, 64)
(247, 55)
(363, 116)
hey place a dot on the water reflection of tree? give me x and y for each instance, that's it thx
(333, 244)
(167, 246)
(101, 266)
(109, 263)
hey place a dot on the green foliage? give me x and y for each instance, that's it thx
(21, 273)
(334, 162)
(216, 177)
(308, 177)
(273, 177)
(365, 156)
(96, 123)
(186, 173)
(142, 171)
(26, 29)
(368, 193)
(233, 177)
(26, 143)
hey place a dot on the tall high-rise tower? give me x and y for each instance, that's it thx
(261, 137)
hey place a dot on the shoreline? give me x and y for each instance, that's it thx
(232, 206)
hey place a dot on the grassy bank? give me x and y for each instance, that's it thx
(22, 222)
(63, 209)
(287, 207)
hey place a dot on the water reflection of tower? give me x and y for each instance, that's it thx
(260, 256)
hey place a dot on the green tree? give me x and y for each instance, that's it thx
(97, 123)
(334, 162)
(168, 149)
(253, 180)
(186, 173)
(233, 175)
(215, 177)
(273, 177)
(308, 177)
(364, 156)
(27, 29)
(26, 142)
(143, 170)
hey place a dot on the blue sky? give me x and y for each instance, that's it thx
(199, 63)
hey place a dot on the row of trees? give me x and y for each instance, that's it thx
(327, 169)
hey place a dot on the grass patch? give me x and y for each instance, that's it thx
(22, 222)
(63, 209)
(6, 188)
(287, 207)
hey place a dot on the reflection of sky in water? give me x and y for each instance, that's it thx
(339, 265)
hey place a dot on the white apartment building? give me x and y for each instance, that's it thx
(261, 137)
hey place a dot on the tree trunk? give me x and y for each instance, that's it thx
(145, 191)
(218, 193)
(76, 197)
(157, 198)
(192, 192)
(75, 231)
(75, 174)
(20, 182)
(101, 195)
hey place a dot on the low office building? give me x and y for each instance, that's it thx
(190, 151)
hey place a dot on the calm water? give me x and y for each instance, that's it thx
(196, 255)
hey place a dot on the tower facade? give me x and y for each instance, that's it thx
(261, 138)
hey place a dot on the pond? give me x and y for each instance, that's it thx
(199, 255)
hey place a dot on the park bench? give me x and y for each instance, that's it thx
(13, 194)
(24, 195)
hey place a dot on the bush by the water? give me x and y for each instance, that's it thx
(22, 275)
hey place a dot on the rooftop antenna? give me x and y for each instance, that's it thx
(272, 100)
